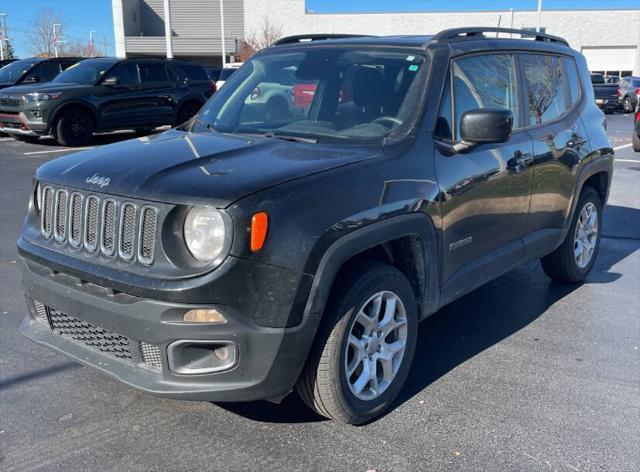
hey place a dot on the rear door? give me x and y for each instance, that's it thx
(553, 93)
(485, 198)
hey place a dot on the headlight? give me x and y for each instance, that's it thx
(41, 97)
(204, 233)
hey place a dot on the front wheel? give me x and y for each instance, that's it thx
(636, 141)
(574, 258)
(75, 128)
(186, 112)
(364, 348)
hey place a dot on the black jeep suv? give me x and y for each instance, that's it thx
(276, 244)
(103, 95)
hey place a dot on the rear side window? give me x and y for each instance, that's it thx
(483, 82)
(546, 91)
(573, 79)
(153, 72)
(193, 72)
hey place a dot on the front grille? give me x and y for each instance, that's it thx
(95, 221)
(150, 354)
(10, 102)
(93, 337)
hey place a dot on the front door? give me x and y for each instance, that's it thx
(118, 105)
(485, 193)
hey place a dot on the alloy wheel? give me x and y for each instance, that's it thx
(376, 345)
(586, 235)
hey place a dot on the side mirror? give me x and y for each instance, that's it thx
(486, 126)
(110, 81)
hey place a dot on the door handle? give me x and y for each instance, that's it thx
(576, 142)
(520, 161)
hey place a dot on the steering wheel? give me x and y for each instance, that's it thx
(387, 120)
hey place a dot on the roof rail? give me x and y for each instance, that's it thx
(301, 38)
(474, 32)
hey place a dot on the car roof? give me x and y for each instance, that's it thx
(460, 40)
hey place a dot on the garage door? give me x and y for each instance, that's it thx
(610, 58)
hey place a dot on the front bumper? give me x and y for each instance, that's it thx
(268, 363)
(17, 123)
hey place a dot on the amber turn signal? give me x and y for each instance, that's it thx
(202, 315)
(259, 226)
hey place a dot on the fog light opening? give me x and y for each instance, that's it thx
(202, 315)
(222, 353)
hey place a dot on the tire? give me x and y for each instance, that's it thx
(323, 384)
(75, 128)
(562, 264)
(186, 112)
(627, 105)
(636, 141)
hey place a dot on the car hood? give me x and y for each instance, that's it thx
(47, 87)
(196, 168)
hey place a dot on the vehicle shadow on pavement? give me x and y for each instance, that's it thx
(477, 321)
(29, 376)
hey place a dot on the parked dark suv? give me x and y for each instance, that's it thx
(34, 70)
(264, 247)
(103, 95)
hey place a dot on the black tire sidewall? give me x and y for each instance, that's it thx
(359, 410)
(65, 136)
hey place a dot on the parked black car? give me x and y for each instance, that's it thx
(34, 70)
(213, 72)
(260, 248)
(606, 93)
(105, 94)
(629, 90)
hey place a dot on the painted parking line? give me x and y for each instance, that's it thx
(56, 150)
(6, 139)
(622, 147)
(628, 160)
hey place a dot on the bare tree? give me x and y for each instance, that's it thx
(78, 48)
(41, 38)
(267, 35)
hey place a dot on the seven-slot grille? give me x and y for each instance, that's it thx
(99, 223)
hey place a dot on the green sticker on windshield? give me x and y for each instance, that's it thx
(413, 67)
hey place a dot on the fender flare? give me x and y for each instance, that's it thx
(55, 114)
(359, 240)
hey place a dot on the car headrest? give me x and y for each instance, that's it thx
(368, 87)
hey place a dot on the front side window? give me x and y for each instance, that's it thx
(126, 73)
(545, 82)
(339, 94)
(47, 71)
(483, 82)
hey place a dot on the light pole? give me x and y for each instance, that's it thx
(539, 16)
(224, 53)
(56, 26)
(91, 33)
(167, 29)
(3, 33)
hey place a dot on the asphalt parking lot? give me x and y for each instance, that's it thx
(522, 374)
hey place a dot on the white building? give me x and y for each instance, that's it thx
(610, 39)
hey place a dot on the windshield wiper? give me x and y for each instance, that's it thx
(286, 137)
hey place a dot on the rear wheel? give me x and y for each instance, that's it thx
(636, 141)
(627, 105)
(75, 127)
(573, 259)
(363, 350)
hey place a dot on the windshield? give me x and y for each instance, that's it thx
(319, 93)
(85, 72)
(15, 70)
